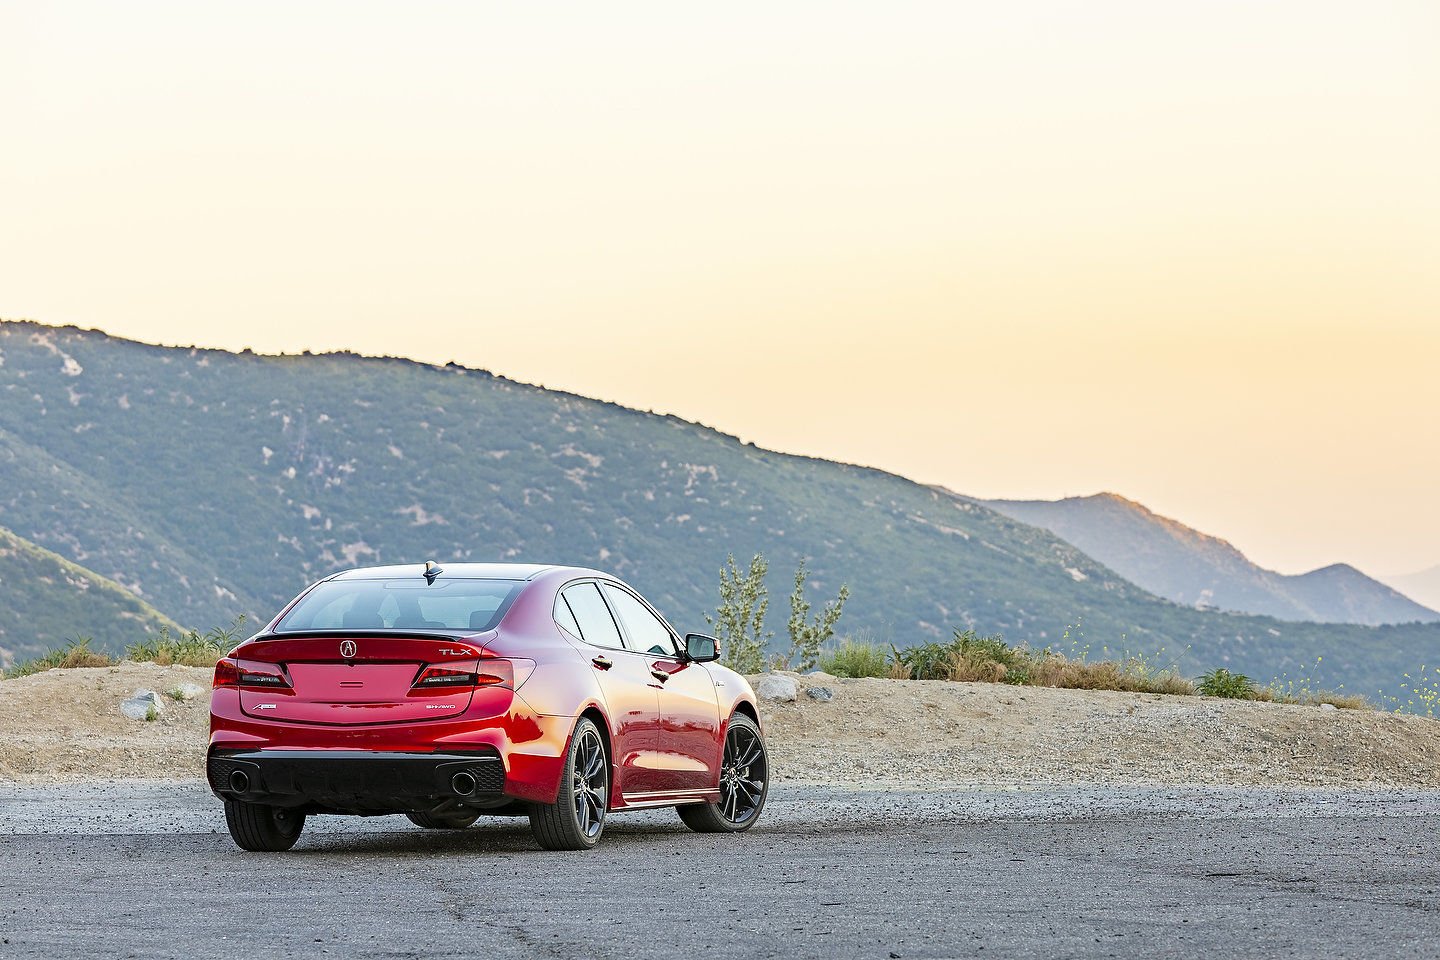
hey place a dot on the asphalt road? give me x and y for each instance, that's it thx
(148, 871)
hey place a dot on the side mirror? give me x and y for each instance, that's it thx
(700, 648)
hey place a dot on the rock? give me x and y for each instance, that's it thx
(1327, 706)
(823, 694)
(775, 686)
(186, 691)
(142, 705)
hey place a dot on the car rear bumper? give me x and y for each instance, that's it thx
(357, 781)
(531, 746)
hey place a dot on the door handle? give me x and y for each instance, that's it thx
(660, 675)
(604, 663)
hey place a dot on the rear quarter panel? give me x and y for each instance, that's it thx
(563, 683)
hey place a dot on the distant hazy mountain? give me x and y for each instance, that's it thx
(1170, 559)
(211, 483)
(1423, 586)
(46, 600)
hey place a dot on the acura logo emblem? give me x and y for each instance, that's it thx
(347, 648)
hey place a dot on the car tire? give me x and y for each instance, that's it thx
(577, 817)
(744, 783)
(262, 828)
(454, 821)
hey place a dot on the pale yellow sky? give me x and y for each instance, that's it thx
(1183, 251)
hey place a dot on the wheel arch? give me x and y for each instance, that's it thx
(597, 716)
(748, 709)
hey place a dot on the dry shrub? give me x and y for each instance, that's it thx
(83, 656)
(1061, 671)
(75, 653)
(1312, 698)
(1174, 685)
(967, 669)
(1344, 701)
(1058, 670)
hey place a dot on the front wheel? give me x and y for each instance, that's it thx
(576, 818)
(262, 828)
(744, 782)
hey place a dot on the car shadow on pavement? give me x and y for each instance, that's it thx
(491, 838)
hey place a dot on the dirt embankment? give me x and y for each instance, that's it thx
(934, 731)
(66, 725)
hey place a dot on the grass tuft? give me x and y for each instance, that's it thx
(75, 653)
(968, 657)
(1232, 686)
(851, 659)
(192, 649)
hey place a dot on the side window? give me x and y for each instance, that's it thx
(592, 616)
(647, 633)
(565, 617)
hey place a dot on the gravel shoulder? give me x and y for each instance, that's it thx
(66, 726)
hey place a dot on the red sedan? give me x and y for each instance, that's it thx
(448, 693)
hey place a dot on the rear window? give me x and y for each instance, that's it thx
(468, 605)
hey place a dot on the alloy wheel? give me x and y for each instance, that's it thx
(742, 774)
(588, 786)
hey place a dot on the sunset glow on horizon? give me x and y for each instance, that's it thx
(1183, 252)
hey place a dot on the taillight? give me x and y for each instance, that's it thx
(495, 673)
(508, 672)
(227, 674)
(487, 672)
(445, 677)
(253, 677)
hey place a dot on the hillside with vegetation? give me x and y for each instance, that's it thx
(1182, 564)
(212, 483)
(47, 601)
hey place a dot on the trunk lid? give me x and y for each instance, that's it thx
(350, 680)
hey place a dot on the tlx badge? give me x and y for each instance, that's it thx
(347, 648)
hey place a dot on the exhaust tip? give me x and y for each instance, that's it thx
(463, 783)
(239, 781)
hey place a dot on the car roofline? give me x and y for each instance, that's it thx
(468, 570)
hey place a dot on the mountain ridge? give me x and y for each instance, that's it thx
(214, 483)
(1423, 585)
(1188, 566)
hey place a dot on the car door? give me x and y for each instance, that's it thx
(688, 733)
(632, 694)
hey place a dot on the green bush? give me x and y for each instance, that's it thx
(193, 649)
(739, 621)
(966, 656)
(851, 659)
(806, 635)
(1222, 683)
(925, 661)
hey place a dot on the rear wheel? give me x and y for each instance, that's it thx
(450, 821)
(577, 817)
(744, 782)
(256, 826)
